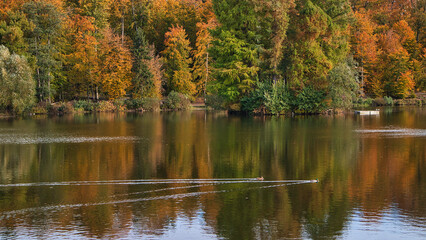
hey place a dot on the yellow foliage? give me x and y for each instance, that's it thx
(115, 66)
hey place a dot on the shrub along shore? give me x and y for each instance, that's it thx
(179, 102)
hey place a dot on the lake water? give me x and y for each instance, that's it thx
(117, 176)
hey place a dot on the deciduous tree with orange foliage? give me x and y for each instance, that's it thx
(397, 77)
(202, 69)
(115, 64)
(83, 59)
(365, 51)
(177, 62)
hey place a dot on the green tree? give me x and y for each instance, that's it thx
(13, 30)
(317, 40)
(234, 71)
(47, 20)
(343, 84)
(142, 82)
(17, 87)
(237, 44)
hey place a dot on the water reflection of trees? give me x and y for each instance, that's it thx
(370, 173)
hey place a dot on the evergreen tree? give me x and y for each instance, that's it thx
(236, 46)
(142, 82)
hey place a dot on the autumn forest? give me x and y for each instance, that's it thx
(277, 55)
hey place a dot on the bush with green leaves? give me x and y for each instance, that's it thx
(343, 84)
(17, 88)
(146, 104)
(255, 99)
(119, 104)
(363, 102)
(215, 101)
(277, 101)
(388, 100)
(309, 101)
(85, 105)
(177, 101)
(270, 97)
(133, 104)
(151, 104)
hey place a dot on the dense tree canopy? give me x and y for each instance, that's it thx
(16, 83)
(107, 49)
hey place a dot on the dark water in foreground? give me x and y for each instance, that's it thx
(108, 176)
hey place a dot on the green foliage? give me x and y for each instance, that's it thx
(385, 101)
(177, 101)
(146, 104)
(13, 30)
(133, 104)
(363, 102)
(255, 99)
(143, 84)
(277, 101)
(388, 100)
(309, 101)
(397, 77)
(47, 21)
(268, 98)
(85, 105)
(16, 82)
(234, 67)
(151, 104)
(215, 101)
(343, 84)
(119, 104)
(318, 39)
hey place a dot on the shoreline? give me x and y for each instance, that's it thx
(70, 107)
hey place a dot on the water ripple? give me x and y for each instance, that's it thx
(13, 213)
(31, 139)
(393, 132)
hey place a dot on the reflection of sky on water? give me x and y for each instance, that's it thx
(393, 132)
(390, 224)
(35, 139)
(183, 228)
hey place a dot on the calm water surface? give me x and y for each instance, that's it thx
(110, 176)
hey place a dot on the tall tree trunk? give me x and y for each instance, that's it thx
(122, 30)
(48, 88)
(49, 73)
(207, 72)
(38, 72)
(97, 93)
